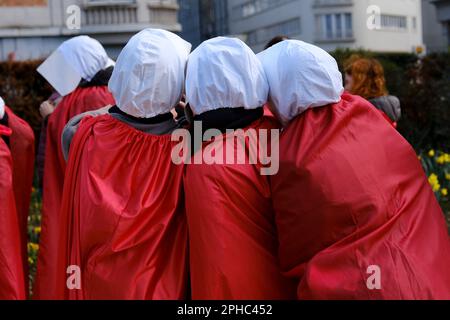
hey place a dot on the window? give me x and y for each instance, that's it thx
(348, 25)
(334, 26)
(338, 20)
(110, 2)
(393, 22)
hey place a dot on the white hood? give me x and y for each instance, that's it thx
(2, 108)
(148, 79)
(301, 76)
(225, 73)
(76, 59)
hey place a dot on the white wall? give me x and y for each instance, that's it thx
(384, 39)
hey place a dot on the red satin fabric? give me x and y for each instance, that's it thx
(79, 101)
(351, 194)
(233, 242)
(22, 152)
(12, 286)
(122, 215)
(267, 111)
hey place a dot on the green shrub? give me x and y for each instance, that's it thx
(23, 90)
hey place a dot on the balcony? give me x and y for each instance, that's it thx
(332, 3)
(113, 14)
(320, 39)
(128, 16)
(163, 12)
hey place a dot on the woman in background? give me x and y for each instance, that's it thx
(365, 78)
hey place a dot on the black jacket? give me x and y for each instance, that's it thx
(389, 105)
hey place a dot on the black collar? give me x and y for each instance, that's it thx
(100, 79)
(155, 120)
(229, 118)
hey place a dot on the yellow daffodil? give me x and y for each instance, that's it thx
(37, 230)
(436, 187)
(433, 178)
(444, 192)
(447, 176)
(447, 157)
(441, 159)
(434, 182)
(33, 246)
(431, 153)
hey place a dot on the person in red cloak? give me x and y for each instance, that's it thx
(232, 233)
(12, 285)
(83, 86)
(124, 233)
(356, 217)
(22, 147)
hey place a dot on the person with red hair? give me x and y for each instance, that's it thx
(365, 77)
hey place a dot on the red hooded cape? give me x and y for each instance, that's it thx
(122, 215)
(79, 101)
(12, 284)
(356, 216)
(233, 242)
(22, 152)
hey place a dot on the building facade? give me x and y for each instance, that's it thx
(32, 29)
(443, 16)
(378, 25)
(203, 19)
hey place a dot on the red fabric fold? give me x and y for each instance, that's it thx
(79, 101)
(12, 286)
(233, 242)
(351, 196)
(122, 216)
(22, 152)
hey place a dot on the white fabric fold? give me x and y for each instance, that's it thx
(2, 108)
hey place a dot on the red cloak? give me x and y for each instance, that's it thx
(233, 242)
(79, 101)
(22, 153)
(122, 215)
(12, 286)
(356, 216)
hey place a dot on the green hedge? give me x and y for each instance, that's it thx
(23, 90)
